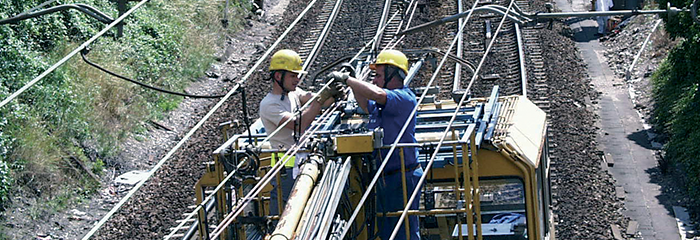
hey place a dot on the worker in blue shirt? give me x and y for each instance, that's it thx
(389, 104)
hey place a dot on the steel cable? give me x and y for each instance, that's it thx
(278, 165)
(197, 126)
(220, 103)
(449, 125)
(293, 150)
(87, 9)
(82, 54)
(71, 54)
(405, 126)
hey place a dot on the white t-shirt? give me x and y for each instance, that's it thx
(603, 5)
(272, 110)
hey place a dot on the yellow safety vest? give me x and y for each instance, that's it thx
(276, 156)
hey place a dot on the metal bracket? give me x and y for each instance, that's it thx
(121, 7)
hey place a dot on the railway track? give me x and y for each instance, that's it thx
(308, 50)
(326, 41)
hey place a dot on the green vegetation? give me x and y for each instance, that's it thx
(166, 43)
(677, 110)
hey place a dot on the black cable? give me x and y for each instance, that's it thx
(246, 120)
(85, 51)
(87, 9)
(329, 66)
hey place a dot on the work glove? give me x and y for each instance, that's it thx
(340, 77)
(332, 90)
(347, 67)
(339, 93)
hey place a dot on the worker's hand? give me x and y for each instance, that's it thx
(328, 92)
(347, 67)
(338, 92)
(341, 77)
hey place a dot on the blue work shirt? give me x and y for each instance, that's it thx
(391, 117)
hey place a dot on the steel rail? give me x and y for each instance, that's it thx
(201, 205)
(71, 54)
(403, 130)
(277, 166)
(488, 49)
(452, 119)
(375, 39)
(413, 11)
(197, 126)
(636, 58)
(382, 24)
(521, 55)
(411, 8)
(457, 81)
(319, 43)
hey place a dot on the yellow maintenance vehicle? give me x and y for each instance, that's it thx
(486, 176)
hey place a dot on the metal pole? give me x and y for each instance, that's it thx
(525, 17)
(606, 13)
(629, 70)
(297, 200)
(121, 6)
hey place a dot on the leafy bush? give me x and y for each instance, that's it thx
(165, 43)
(677, 98)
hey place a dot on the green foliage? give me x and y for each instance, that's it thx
(5, 183)
(682, 24)
(677, 102)
(165, 43)
(98, 166)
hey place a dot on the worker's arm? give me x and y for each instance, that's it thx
(306, 96)
(307, 116)
(365, 91)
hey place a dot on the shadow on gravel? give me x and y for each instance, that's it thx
(670, 192)
(586, 34)
(641, 138)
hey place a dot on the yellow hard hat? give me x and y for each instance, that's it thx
(391, 57)
(286, 59)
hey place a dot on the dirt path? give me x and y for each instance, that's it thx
(628, 152)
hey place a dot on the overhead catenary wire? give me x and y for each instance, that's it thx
(196, 127)
(268, 177)
(71, 54)
(403, 129)
(265, 179)
(293, 150)
(449, 125)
